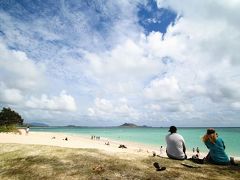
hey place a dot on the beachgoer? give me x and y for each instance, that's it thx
(198, 152)
(27, 130)
(66, 139)
(107, 143)
(122, 146)
(176, 148)
(161, 150)
(216, 148)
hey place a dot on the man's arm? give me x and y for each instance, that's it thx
(184, 148)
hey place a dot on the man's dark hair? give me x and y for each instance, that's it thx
(173, 129)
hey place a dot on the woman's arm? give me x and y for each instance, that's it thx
(206, 143)
(223, 144)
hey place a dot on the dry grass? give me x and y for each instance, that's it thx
(47, 162)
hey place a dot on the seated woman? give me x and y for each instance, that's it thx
(216, 148)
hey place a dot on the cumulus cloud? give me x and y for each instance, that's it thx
(63, 102)
(18, 71)
(10, 95)
(21, 78)
(19, 75)
(163, 89)
(125, 61)
(206, 26)
(104, 108)
(99, 53)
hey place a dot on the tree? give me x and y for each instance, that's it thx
(10, 117)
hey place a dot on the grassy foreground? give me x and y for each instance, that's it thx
(47, 162)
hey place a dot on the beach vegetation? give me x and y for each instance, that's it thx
(9, 128)
(9, 119)
(49, 162)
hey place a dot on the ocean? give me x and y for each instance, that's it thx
(154, 136)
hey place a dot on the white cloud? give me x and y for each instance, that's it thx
(205, 43)
(154, 107)
(195, 90)
(18, 71)
(236, 105)
(10, 95)
(21, 78)
(63, 102)
(186, 107)
(192, 71)
(211, 27)
(163, 89)
(169, 47)
(125, 61)
(104, 108)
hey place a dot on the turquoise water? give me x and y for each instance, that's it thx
(155, 136)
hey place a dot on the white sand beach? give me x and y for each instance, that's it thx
(58, 139)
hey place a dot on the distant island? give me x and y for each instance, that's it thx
(131, 125)
(71, 126)
(126, 125)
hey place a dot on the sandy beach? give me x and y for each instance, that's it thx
(76, 141)
(58, 139)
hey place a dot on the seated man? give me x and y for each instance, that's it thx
(175, 145)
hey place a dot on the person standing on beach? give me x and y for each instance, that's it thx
(27, 130)
(198, 152)
(161, 150)
(176, 148)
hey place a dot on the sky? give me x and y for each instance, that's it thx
(107, 62)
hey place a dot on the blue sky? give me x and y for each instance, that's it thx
(104, 63)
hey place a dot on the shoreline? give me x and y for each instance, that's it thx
(78, 141)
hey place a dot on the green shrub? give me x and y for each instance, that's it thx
(9, 128)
